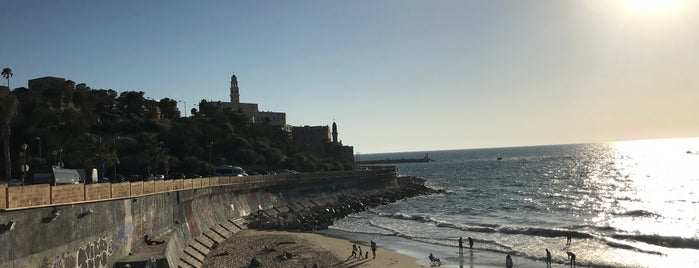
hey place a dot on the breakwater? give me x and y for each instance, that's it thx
(53, 226)
(320, 216)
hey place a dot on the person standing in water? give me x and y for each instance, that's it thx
(571, 256)
(508, 261)
(461, 245)
(548, 258)
(470, 242)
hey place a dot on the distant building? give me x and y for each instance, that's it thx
(311, 135)
(47, 82)
(251, 109)
(316, 136)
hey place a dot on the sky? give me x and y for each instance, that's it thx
(396, 75)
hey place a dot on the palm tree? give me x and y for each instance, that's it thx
(7, 73)
(8, 108)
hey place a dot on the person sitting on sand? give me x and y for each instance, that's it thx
(435, 260)
(508, 261)
(366, 255)
(571, 257)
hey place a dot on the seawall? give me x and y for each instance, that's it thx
(189, 215)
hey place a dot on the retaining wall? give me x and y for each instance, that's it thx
(97, 225)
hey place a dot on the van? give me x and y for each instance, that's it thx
(58, 176)
(228, 171)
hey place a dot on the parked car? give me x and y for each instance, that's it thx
(228, 170)
(287, 171)
(176, 176)
(193, 176)
(133, 178)
(116, 178)
(13, 183)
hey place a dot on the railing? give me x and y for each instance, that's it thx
(20, 197)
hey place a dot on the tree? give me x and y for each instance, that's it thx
(7, 73)
(8, 109)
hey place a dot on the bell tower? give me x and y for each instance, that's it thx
(334, 132)
(235, 93)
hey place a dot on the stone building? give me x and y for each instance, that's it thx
(46, 82)
(317, 136)
(251, 109)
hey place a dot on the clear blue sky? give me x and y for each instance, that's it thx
(397, 75)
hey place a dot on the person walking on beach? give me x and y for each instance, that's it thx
(461, 244)
(470, 242)
(571, 256)
(548, 258)
(360, 251)
(508, 261)
(373, 248)
(354, 252)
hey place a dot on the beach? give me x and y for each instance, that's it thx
(306, 249)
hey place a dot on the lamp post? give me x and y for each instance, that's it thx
(60, 157)
(115, 157)
(25, 167)
(211, 145)
(39, 141)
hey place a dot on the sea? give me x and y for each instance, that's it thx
(624, 204)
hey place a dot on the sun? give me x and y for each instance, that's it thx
(653, 6)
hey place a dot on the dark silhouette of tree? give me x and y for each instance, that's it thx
(82, 123)
(7, 73)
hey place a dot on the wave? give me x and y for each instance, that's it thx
(615, 244)
(402, 216)
(639, 213)
(664, 241)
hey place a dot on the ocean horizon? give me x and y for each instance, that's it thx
(625, 204)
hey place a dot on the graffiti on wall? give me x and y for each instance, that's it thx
(95, 254)
(64, 260)
(121, 237)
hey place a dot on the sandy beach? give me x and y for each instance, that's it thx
(306, 249)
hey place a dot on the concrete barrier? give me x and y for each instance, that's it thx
(3, 197)
(67, 193)
(122, 189)
(100, 234)
(98, 191)
(28, 196)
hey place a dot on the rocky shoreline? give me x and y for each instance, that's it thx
(323, 215)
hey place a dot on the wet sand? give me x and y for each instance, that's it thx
(306, 249)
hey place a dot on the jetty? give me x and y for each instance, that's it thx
(396, 161)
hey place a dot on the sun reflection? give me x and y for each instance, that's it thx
(661, 197)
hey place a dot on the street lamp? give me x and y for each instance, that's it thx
(39, 141)
(115, 157)
(25, 167)
(211, 145)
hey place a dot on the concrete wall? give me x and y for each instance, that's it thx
(99, 233)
